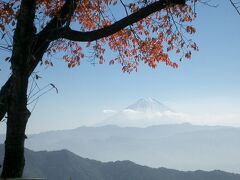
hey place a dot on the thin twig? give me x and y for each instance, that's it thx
(234, 4)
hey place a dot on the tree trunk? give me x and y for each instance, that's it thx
(18, 115)
(17, 111)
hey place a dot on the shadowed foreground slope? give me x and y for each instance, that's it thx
(61, 165)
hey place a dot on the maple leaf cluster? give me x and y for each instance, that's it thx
(150, 40)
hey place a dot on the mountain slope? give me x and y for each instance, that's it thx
(182, 146)
(63, 165)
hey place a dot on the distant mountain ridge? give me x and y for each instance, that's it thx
(179, 146)
(64, 165)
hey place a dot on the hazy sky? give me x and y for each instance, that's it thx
(205, 88)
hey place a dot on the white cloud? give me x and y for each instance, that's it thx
(177, 115)
(130, 117)
(129, 111)
(142, 119)
(132, 114)
(109, 111)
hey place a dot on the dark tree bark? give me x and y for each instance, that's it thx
(18, 116)
(17, 111)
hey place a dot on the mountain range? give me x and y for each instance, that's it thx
(64, 165)
(176, 145)
(179, 146)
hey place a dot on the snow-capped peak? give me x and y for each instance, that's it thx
(144, 112)
(148, 105)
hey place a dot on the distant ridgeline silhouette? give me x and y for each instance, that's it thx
(64, 165)
(178, 146)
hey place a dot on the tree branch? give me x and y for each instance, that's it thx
(74, 35)
(49, 34)
(235, 5)
(22, 36)
(4, 94)
(42, 41)
(61, 19)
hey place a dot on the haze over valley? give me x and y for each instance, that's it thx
(149, 133)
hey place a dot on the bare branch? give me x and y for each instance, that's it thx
(236, 6)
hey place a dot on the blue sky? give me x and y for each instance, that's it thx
(206, 87)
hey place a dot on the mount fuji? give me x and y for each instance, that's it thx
(144, 112)
(148, 105)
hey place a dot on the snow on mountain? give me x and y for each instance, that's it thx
(144, 112)
(148, 105)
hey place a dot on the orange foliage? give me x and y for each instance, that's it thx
(150, 40)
